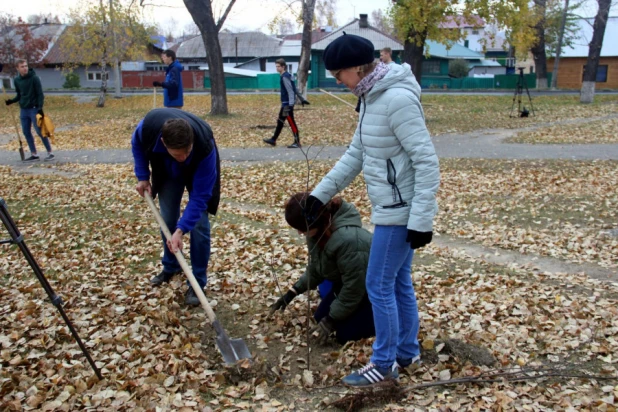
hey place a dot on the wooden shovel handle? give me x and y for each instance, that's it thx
(181, 259)
(12, 117)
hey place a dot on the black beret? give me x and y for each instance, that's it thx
(348, 51)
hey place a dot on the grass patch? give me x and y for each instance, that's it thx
(326, 122)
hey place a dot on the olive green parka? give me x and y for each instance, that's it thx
(343, 261)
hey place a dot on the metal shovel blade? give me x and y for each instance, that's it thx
(232, 350)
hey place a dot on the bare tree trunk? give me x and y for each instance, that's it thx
(305, 54)
(202, 14)
(117, 94)
(413, 54)
(594, 52)
(101, 102)
(538, 50)
(554, 77)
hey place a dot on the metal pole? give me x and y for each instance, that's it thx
(17, 238)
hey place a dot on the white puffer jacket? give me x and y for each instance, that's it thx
(393, 148)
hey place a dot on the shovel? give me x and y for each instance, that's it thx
(21, 146)
(232, 350)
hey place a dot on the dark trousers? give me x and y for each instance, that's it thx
(358, 326)
(281, 121)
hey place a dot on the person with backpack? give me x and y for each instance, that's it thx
(288, 97)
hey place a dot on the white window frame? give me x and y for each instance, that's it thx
(95, 76)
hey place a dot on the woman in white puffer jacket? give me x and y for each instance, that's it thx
(393, 149)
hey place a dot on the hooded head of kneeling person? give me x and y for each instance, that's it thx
(338, 248)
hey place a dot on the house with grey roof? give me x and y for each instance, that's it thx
(50, 66)
(435, 65)
(237, 49)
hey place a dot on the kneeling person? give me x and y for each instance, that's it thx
(339, 252)
(175, 150)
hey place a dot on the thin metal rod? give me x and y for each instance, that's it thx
(18, 239)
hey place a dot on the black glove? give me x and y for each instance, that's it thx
(287, 110)
(325, 328)
(312, 206)
(304, 102)
(157, 84)
(282, 302)
(40, 112)
(8, 102)
(418, 239)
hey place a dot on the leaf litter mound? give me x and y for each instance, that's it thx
(99, 246)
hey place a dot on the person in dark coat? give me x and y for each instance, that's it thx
(30, 97)
(172, 86)
(288, 98)
(339, 252)
(174, 150)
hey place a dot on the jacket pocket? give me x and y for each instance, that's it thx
(391, 178)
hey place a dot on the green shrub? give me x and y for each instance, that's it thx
(71, 81)
(458, 68)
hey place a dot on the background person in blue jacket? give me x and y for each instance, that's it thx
(174, 150)
(172, 86)
(288, 97)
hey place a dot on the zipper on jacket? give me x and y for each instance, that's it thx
(360, 125)
(391, 177)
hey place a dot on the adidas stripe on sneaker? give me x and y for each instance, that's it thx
(369, 375)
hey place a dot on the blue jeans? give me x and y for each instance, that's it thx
(358, 325)
(390, 290)
(170, 196)
(28, 119)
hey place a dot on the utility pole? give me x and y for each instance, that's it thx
(118, 82)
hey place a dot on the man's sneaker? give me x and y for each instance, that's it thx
(370, 375)
(49, 157)
(32, 158)
(191, 298)
(294, 145)
(270, 141)
(404, 363)
(163, 277)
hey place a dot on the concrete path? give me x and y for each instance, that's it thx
(484, 144)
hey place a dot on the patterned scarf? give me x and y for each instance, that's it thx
(371, 79)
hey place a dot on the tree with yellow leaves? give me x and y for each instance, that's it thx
(90, 39)
(417, 21)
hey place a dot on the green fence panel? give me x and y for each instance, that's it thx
(236, 83)
(268, 81)
(509, 81)
(435, 82)
(477, 83)
(241, 83)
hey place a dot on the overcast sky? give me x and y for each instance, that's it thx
(245, 15)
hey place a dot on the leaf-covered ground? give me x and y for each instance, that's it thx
(98, 244)
(602, 131)
(325, 122)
